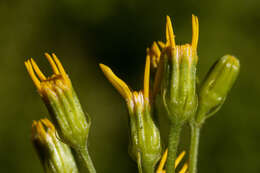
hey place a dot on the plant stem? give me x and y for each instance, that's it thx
(173, 142)
(194, 147)
(85, 160)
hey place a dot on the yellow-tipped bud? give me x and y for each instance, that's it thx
(176, 79)
(176, 74)
(54, 154)
(62, 102)
(145, 142)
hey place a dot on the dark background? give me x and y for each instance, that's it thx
(84, 33)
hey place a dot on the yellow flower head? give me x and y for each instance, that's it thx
(42, 83)
(132, 97)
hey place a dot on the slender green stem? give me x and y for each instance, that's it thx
(85, 160)
(194, 147)
(173, 142)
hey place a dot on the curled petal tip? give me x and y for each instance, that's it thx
(119, 84)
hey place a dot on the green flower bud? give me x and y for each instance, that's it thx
(216, 86)
(62, 102)
(145, 142)
(179, 64)
(56, 157)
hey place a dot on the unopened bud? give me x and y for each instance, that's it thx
(62, 102)
(179, 75)
(216, 86)
(55, 156)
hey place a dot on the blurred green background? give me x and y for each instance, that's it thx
(84, 33)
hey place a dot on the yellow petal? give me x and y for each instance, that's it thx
(52, 63)
(169, 33)
(37, 70)
(147, 78)
(161, 44)
(48, 124)
(179, 158)
(195, 32)
(35, 80)
(162, 162)
(177, 162)
(184, 168)
(61, 69)
(120, 85)
(156, 50)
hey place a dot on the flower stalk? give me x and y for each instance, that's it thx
(212, 95)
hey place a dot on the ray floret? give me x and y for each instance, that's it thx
(123, 88)
(170, 37)
(154, 53)
(147, 79)
(195, 32)
(119, 84)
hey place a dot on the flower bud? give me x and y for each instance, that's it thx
(62, 102)
(179, 63)
(145, 142)
(56, 157)
(216, 86)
